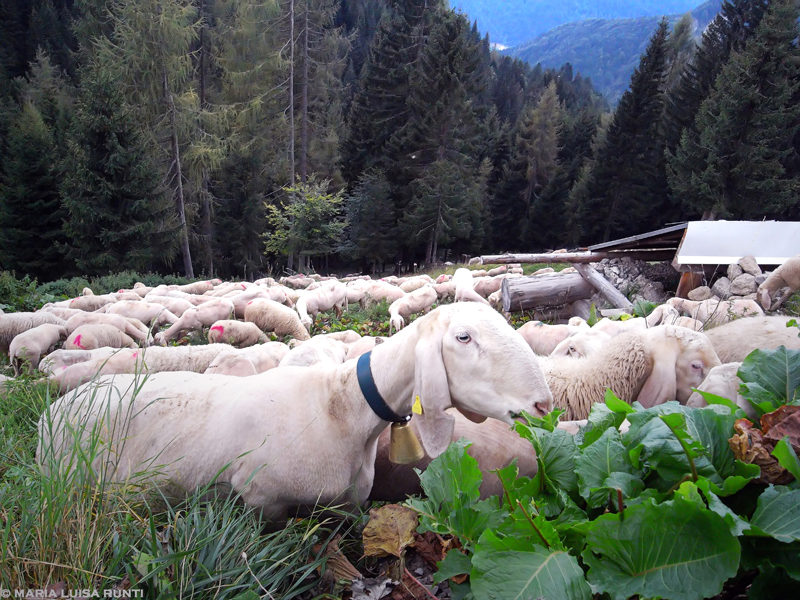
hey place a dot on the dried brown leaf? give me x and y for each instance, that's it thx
(390, 530)
(749, 446)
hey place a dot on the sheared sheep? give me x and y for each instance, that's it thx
(716, 312)
(652, 366)
(118, 321)
(582, 344)
(248, 361)
(615, 328)
(177, 306)
(61, 312)
(331, 295)
(299, 436)
(273, 317)
(735, 340)
(195, 319)
(92, 303)
(32, 344)
(90, 337)
(11, 325)
(501, 270)
(418, 301)
(780, 284)
(316, 351)
(723, 381)
(380, 290)
(236, 333)
(198, 287)
(463, 284)
(445, 290)
(362, 346)
(60, 359)
(152, 315)
(543, 338)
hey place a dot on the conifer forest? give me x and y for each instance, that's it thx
(234, 137)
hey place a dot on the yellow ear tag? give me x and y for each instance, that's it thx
(417, 407)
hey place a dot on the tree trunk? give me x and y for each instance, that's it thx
(304, 100)
(176, 167)
(608, 291)
(208, 226)
(522, 293)
(291, 89)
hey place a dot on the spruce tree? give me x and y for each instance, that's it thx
(31, 211)
(627, 186)
(734, 166)
(119, 217)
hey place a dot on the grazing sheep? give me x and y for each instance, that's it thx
(195, 319)
(60, 359)
(463, 284)
(652, 366)
(177, 306)
(270, 316)
(582, 344)
(419, 301)
(118, 321)
(380, 290)
(300, 437)
(362, 346)
(152, 315)
(236, 334)
(735, 340)
(331, 295)
(716, 312)
(318, 350)
(445, 290)
(32, 344)
(89, 337)
(780, 284)
(543, 338)
(414, 283)
(61, 312)
(723, 381)
(92, 303)
(11, 325)
(356, 289)
(248, 361)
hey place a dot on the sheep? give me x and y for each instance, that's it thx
(723, 381)
(652, 366)
(177, 306)
(198, 287)
(195, 319)
(716, 312)
(91, 303)
(236, 333)
(331, 295)
(293, 436)
(89, 337)
(501, 270)
(663, 313)
(348, 336)
(61, 312)
(11, 325)
(381, 290)
(543, 338)
(582, 344)
(445, 290)
(118, 321)
(248, 361)
(478, 273)
(270, 316)
(419, 301)
(152, 315)
(578, 322)
(735, 340)
(362, 346)
(464, 291)
(773, 291)
(615, 328)
(414, 283)
(316, 351)
(141, 289)
(4, 383)
(495, 299)
(356, 290)
(60, 359)
(32, 344)
(485, 286)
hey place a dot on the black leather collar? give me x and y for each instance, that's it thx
(370, 391)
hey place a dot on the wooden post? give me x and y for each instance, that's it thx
(550, 257)
(608, 291)
(521, 293)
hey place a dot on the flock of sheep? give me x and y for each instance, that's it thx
(286, 425)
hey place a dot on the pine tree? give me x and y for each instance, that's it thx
(31, 212)
(627, 186)
(745, 128)
(119, 217)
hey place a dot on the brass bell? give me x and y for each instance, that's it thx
(404, 447)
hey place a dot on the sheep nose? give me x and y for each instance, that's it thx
(545, 406)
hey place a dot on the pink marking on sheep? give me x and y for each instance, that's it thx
(219, 328)
(78, 342)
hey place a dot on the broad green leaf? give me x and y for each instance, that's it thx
(675, 550)
(771, 375)
(597, 462)
(515, 487)
(455, 563)
(453, 477)
(504, 569)
(600, 418)
(778, 513)
(787, 457)
(688, 491)
(714, 399)
(737, 524)
(548, 422)
(556, 453)
(742, 474)
(757, 550)
(630, 486)
(773, 583)
(617, 405)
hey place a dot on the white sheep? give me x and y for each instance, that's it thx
(780, 284)
(418, 301)
(89, 337)
(177, 306)
(60, 359)
(615, 328)
(32, 344)
(723, 381)
(348, 336)
(318, 350)
(380, 290)
(330, 295)
(362, 346)
(652, 366)
(195, 319)
(250, 361)
(735, 340)
(61, 312)
(152, 315)
(141, 289)
(11, 325)
(198, 287)
(501, 270)
(486, 286)
(299, 436)
(236, 333)
(445, 290)
(463, 283)
(543, 338)
(716, 312)
(137, 333)
(273, 317)
(582, 344)
(92, 303)
(4, 383)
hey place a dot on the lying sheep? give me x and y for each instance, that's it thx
(543, 338)
(652, 366)
(141, 289)
(272, 317)
(316, 351)
(248, 361)
(195, 319)
(723, 381)
(418, 301)
(152, 315)
(582, 344)
(118, 321)
(29, 346)
(198, 287)
(235, 333)
(89, 337)
(11, 325)
(61, 312)
(331, 295)
(295, 436)
(348, 336)
(615, 328)
(463, 283)
(501, 270)
(735, 340)
(716, 312)
(780, 284)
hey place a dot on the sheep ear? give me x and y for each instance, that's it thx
(661, 386)
(430, 386)
(766, 301)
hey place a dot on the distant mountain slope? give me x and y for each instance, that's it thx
(513, 22)
(607, 51)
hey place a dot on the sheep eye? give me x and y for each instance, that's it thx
(697, 365)
(463, 338)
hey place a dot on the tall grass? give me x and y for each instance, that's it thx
(64, 520)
